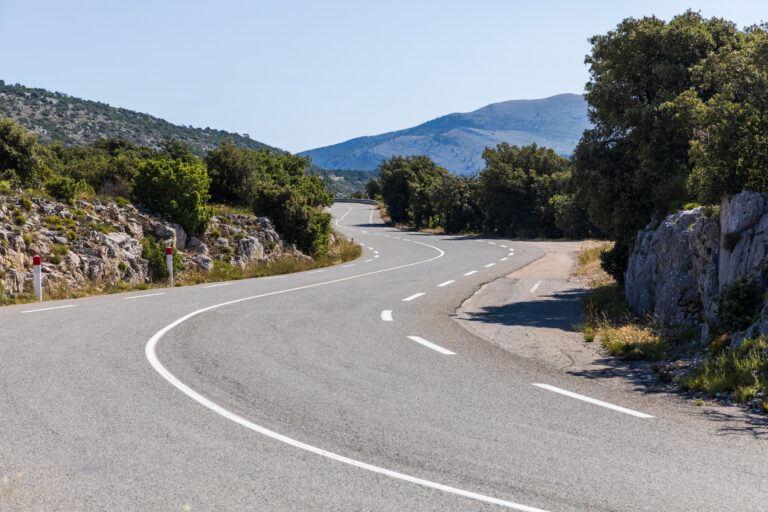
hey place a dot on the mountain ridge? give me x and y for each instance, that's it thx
(456, 140)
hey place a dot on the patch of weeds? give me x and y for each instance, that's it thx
(101, 227)
(79, 213)
(226, 250)
(121, 201)
(26, 203)
(743, 371)
(214, 233)
(27, 239)
(711, 211)
(691, 206)
(240, 236)
(18, 217)
(71, 236)
(698, 402)
(53, 223)
(71, 224)
(122, 267)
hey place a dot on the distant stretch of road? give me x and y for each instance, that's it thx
(344, 388)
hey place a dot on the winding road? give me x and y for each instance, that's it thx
(344, 388)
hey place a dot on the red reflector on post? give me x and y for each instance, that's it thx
(36, 260)
(168, 250)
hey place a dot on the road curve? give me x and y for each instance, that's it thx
(348, 388)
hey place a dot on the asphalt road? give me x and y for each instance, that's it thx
(349, 388)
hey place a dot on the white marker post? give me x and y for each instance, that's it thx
(36, 261)
(169, 262)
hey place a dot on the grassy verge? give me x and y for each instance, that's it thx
(340, 251)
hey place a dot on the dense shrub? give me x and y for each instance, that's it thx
(178, 189)
(740, 303)
(153, 250)
(19, 164)
(67, 189)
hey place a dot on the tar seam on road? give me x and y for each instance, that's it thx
(429, 344)
(594, 401)
(48, 309)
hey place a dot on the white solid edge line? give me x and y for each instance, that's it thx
(386, 315)
(471, 272)
(149, 351)
(215, 285)
(142, 296)
(535, 287)
(48, 309)
(594, 401)
(429, 344)
(446, 283)
(489, 265)
(414, 296)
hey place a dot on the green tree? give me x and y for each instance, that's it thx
(18, 154)
(405, 182)
(177, 189)
(515, 187)
(729, 150)
(454, 200)
(372, 188)
(634, 162)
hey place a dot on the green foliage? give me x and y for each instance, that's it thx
(743, 370)
(103, 228)
(26, 203)
(740, 303)
(18, 217)
(53, 223)
(570, 218)
(634, 162)
(67, 189)
(515, 187)
(177, 189)
(298, 221)
(153, 250)
(614, 261)
(729, 149)
(455, 203)
(121, 201)
(71, 236)
(19, 163)
(372, 188)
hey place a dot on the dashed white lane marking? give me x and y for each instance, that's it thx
(376, 256)
(504, 246)
(412, 297)
(386, 315)
(217, 285)
(371, 248)
(471, 272)
(489, 265)
(593, 401)
(375, 252)
(492, 243)
(368, 261)
(429, 344)
(317, 271)
(446, 283)
(370, 217)
(535, 287)
(150, 352)
(347, 266)
(365, 231)
(143, 296)
(504, 259)
(49, 309)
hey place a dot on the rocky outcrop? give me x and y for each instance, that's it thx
(678, 267)
(101, 242)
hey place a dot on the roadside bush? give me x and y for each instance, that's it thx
(740, 303)
(178, 189)
(67, 189)
(153, 250)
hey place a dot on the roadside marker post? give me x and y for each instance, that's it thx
(169, 263)
(36, 262)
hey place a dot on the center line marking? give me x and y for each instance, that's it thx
(504, 246)
(535, 287)
(489, 265)
(471, 272)
(347, 266)
(593, 401)
(48, 309)
(492, 243)
(446, 283)
(429, 344)
(386, 315)
(504, 259)
(371, 248)
(414, 296)
(215, 285)
(142, 296)
(368, 261)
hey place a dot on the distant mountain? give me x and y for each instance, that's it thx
(456, 141)
(54, 116)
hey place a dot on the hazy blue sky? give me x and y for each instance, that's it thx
(302, 74)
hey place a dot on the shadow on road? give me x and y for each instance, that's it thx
(555, 311)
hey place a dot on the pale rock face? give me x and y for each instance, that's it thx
(197, 247)
(250, 249)
(677, 269)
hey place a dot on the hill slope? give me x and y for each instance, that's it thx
(55, 116)
(456, 141)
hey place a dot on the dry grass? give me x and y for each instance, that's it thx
(588, 269)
